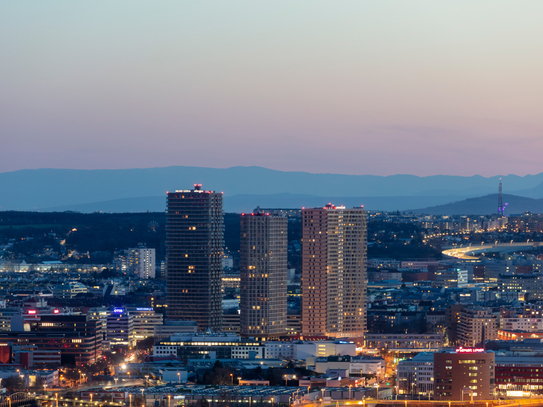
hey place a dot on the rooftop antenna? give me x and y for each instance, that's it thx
(500, 200)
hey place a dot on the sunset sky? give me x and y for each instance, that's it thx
(353, 87)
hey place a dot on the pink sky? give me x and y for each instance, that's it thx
(366, 88)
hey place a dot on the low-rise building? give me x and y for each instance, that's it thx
(416, 375)
(174, 327)
(209, 346)
(144, 321)
(403, 341)
(463, 374)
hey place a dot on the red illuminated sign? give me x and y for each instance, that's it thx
(469, 350)
(32, 311)
(56, 311)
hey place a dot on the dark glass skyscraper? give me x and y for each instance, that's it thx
(194, 246)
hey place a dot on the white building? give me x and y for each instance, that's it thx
(361, 365)
(355, 366)
(522, 324)
(280, 350)
(324, 349)
(209, 346)
(141, 261)
(416, 375)
(174, 375)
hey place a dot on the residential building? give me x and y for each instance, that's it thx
(263, 284)
(194, 251)
(452, 277)
(141, 262)
(476, 326)
(334, 272)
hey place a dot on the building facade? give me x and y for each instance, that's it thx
(141, 262)
(476, 326)
(334, 272)
(416, 375)
(120, 327)
(463, 374)
(209, 346)
(194, 245)
(263, 277)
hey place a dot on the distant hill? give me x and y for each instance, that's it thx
(486, 205)
(141, 189)
(246, 203)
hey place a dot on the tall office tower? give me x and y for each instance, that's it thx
(194, 250)
(141, 262)
(263, 285)
(334, 272)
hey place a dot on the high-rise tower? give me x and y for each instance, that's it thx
(194, 245)
(334, 272)
(263, 263)
(500, 200)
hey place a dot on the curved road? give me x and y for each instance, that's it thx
(470, 252)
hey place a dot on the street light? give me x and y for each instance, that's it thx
(231, 377)
(130, 400)
(179, 376)
(169, 398)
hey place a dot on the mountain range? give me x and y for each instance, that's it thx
(138, 190)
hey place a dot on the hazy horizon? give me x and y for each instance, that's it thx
(268, 168)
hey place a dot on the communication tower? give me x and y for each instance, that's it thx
(500, 199)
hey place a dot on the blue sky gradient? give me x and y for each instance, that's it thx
(354, 87)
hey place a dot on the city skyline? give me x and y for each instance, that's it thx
(282, 204)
